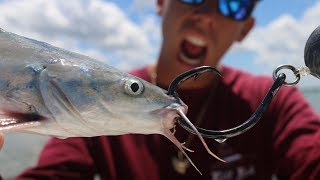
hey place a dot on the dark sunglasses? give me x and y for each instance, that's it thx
(238, 10)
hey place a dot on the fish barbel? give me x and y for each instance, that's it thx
(51, 91)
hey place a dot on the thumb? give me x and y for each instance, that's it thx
(1, 140)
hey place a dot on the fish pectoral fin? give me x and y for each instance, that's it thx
(14, 121)
(54, 93)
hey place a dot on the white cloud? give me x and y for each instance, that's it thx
(282, 41)
(96, 28)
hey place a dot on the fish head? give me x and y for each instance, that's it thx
(106, 101)
(140, 105)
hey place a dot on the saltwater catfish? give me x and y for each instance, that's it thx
(51, 91)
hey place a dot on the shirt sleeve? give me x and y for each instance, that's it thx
(296, 136)
(63, 159)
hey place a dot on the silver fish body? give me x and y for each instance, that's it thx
(60, 93)
(51, 91)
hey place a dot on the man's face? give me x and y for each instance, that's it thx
(196, 35)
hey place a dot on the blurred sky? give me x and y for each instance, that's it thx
(126, 33)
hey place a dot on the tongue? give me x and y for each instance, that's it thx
(191, 50)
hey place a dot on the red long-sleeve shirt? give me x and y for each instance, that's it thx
(286, 141)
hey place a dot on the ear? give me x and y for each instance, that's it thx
(249, 24)
(160, 6)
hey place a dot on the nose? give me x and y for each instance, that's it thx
(207, 11)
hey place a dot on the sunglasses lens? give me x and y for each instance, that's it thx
(236, 9)
(192, 2)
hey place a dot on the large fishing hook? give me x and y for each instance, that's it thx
(221, 135)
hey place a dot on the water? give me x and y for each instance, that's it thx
(21, 150)
(313, 96)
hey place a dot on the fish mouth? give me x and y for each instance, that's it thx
(193, 50)
(168, 123)
(170, 115)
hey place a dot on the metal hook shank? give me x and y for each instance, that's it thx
(224, 134)
(172, 90)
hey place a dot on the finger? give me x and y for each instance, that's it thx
(1, 140)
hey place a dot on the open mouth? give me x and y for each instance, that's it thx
(193, 50)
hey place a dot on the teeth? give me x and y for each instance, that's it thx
(196, 41)
(189, 60)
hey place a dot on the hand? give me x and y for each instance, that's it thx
(1, 140)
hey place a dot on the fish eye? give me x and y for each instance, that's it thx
(133, 87)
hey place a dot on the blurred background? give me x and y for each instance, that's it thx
(126, 34)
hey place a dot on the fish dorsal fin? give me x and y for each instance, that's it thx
(14, 121)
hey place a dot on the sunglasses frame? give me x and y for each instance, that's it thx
(231, 15)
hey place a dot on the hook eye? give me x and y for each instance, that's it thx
(196, 72)
(294, 70)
